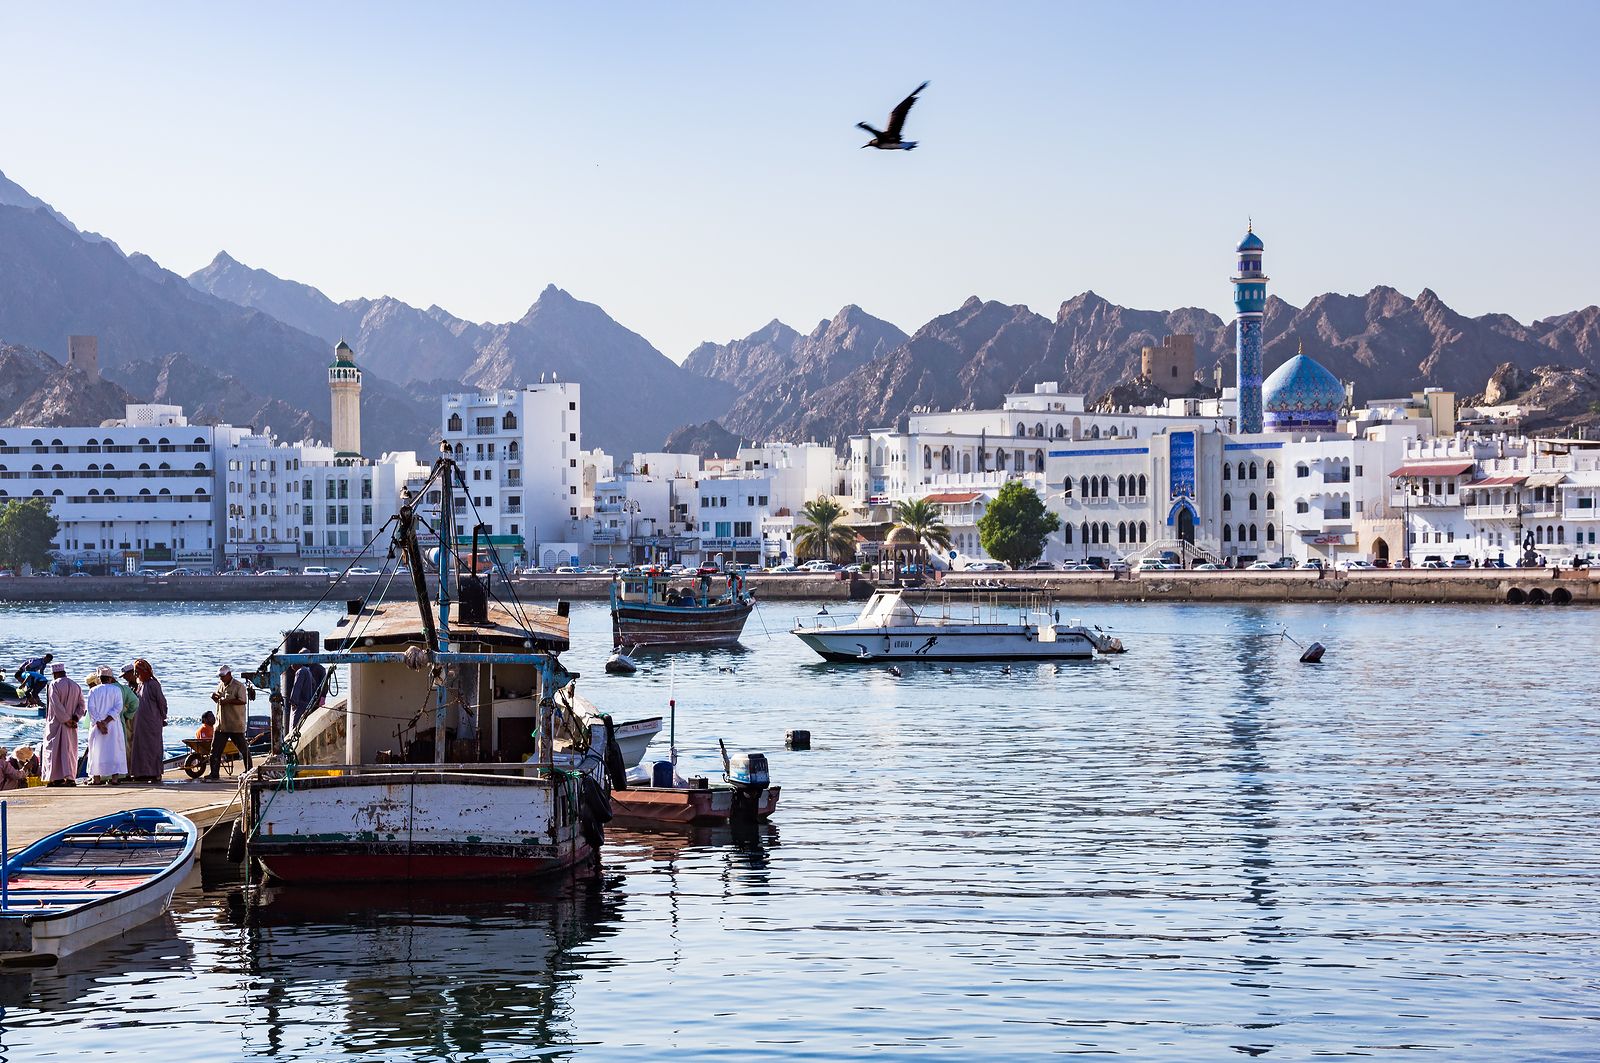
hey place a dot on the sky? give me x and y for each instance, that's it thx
(695, 170)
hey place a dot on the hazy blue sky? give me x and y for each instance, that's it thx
(693, 168)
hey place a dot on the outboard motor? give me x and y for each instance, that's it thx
(747, 774)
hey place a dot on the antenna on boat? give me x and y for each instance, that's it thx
(672, 715)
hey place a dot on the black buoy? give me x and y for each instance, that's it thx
(799, 740)
(1313, 653)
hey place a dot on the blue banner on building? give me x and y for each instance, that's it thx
(1180, 465)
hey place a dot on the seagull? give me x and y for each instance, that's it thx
(1005, 669)
(894, 670)
(949, 671)
(723, 668)
(889, 139)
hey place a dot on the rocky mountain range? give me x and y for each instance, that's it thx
(633, 397)
(1385, 342)
(35, 389)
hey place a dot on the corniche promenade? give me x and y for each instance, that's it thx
(1516, 586)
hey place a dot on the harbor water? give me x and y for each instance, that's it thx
(1200, 850)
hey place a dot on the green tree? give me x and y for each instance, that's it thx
(26, 529)
(922, 518)
(1015, 526)
(821, 535)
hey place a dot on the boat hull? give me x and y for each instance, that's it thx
(676, 805)
(416, 825)
(668, 625)
(958, 644)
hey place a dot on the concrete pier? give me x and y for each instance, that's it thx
(38, 811)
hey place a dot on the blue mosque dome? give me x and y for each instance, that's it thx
(1300, 393)
(1251, 242)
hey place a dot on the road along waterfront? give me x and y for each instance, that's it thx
(1198, 850)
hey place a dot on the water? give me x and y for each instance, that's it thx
(1200, 850)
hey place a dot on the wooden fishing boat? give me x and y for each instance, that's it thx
(460, 749)
(646, 610)
(686, 805)
(93, 881)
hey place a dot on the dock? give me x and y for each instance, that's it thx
(36, 812)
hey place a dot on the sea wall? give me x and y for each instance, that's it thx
(1486, 586)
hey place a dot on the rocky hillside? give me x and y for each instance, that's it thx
(35, 389)
(779, 372)
(1561, 400)
(709, 440)
(57, 283)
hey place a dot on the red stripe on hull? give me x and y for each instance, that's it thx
(375, 867)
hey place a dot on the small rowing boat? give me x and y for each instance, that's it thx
(93, 881)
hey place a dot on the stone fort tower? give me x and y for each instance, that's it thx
(83, 354)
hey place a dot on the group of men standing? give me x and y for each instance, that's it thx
(126, 720)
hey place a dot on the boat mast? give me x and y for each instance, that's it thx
(447, 532)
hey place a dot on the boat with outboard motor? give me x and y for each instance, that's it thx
(648, 610)
(461, 749)
(889, 629)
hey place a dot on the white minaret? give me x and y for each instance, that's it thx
(344, 388)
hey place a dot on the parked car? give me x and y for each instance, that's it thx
(1380, 562)
(1461, 561)
(1495, 562)
(1315, 562)
(568, 570)
(1040, 566)
(1155, 564)
(316, 570)
(784, 569)
(984, 566)
(1080, 566)
(1118, 565)
(819, 566)
(1358, 565)
(1208, 567)
(362, 570)
(1433, 562)
(1261, 566)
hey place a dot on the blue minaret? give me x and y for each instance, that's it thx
(1250, 300)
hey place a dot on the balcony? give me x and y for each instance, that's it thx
(1490, 511)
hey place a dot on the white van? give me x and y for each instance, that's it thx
(318, 570)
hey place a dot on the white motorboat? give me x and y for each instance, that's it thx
(889, 629)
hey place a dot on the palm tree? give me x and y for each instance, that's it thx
(821, 535)
(922, 518)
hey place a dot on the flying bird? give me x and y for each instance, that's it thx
(889, 139)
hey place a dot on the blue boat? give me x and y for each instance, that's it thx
(93, 881)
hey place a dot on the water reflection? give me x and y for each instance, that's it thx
(392, 969)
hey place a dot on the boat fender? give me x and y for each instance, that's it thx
(616, 767)
(236, 843)
(594, 811)
(797, 740)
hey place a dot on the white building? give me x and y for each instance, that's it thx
(520, 452)
(260, 481)
(132, 494)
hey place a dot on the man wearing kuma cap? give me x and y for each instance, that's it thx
(231, 721)
(64, 708)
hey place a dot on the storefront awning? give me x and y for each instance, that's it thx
(954, 498)
(1495, 481)
(1547, 479)
(1436, 468)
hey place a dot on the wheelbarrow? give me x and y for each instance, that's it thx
(198, 762)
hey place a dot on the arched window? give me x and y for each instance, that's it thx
(1066, 488)
(1302, 471)
(1272, 533)
(1271, 470)
(966, 461)
(1022, 429)
(1084, 537)
(1227, 534)
(454, 424)
(1000, 459)
(1561, 534)
(1252, 470)
(1144, 532)
(1241, 470)
(1272, 502)
(1122, 532)
(461, 450)
(1227, 471)
(164, 491)
(879, 459)
(163, 465)
(1252, 500)
(1122, 487)
(944, 459)
(927, 457)
(1084, 489)
(509, 421)
(1038, 461)
(164, 442)
(1105, 532)
(143, 442)
(199, 441)
(1105, 487)
(1094, 431)
(1038, 430)
(144, 490)
(1227, 503)
(1241, 533)
(1252, 533)
(1112, 431)
(200, 466)
(512, 450)
(1066, 534)
(1059, 431)
(142, 465)
(1144, 486)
